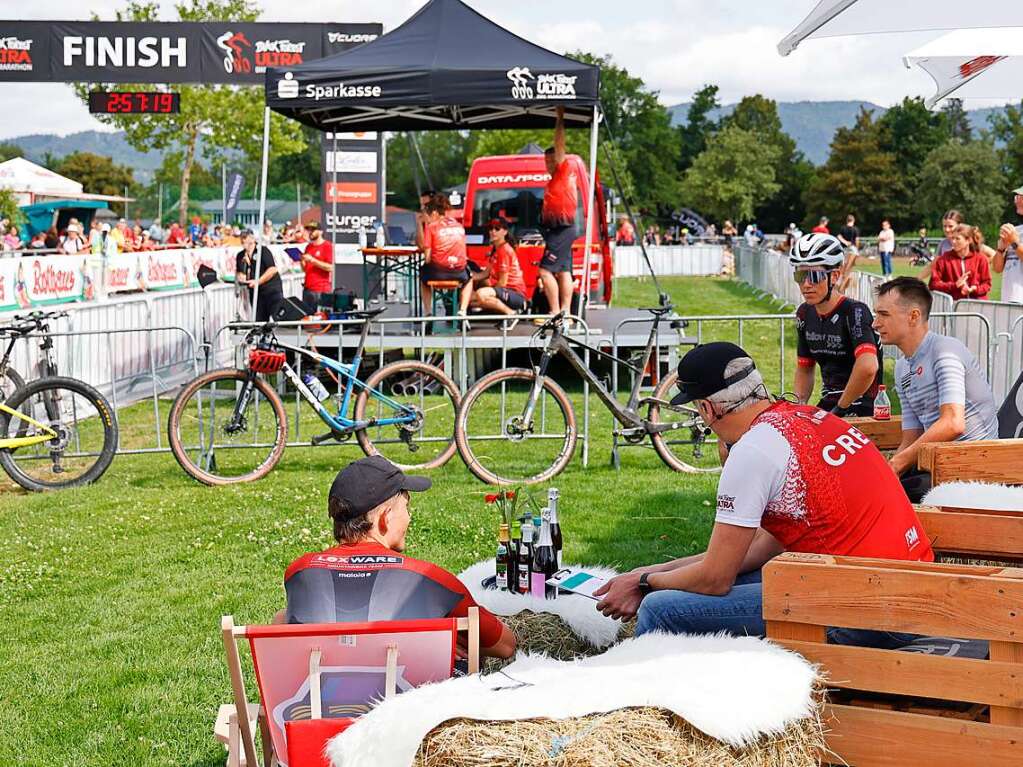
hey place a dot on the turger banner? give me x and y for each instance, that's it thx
(166, 52)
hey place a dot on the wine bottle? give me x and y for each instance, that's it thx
(525, 556)
(502, 557)
(513, 559)
(556, 539)
(545, 562)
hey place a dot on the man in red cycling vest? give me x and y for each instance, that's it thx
(367, 576)
(557, 218)
(797, 479)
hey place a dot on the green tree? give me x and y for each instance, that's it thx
(9, 207)
(446, 154)
(228, 118)
(98, 175)
(648, 144)
(1007, 130)
(967, 176)
(910, 132)
(792, 171)
(732, 176)
(859, 178)
(957, 122)
(9, 151)
(698, 126)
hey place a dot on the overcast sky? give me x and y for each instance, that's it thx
(676, 46)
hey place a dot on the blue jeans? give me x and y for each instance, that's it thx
(886, 263)
(739, 612)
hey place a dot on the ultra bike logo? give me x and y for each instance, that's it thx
(15, 55)
(526, 85)
(242, 57)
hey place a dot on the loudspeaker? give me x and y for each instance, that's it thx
(291, 310)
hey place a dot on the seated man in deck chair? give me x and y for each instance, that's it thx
(366, 577)
(797, 479)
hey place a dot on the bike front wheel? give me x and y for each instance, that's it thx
(496, 442)
(82, 430)
(224, 430)
(413, 389)
(683, 449)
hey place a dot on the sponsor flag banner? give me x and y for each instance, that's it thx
(166, 52)
(235, 187)
(353, 180)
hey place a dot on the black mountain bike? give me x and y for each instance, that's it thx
(55, 432)
(517, 426)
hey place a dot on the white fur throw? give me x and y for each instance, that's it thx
(976, 495)
(734, 689)
(579, 613)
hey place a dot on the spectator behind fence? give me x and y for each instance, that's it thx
(12, 239)
(73, 242)
(1007, 257)
(886, 246)
(38, 241)
(318, 264)
(944, 394)
(963, 272)
(95, 238)
(626, 232)
(176, 236)
(52, 239)
(822, 226)
(156, 233)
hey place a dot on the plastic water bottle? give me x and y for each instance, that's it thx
(319, 390)
(362, 238)
(378, 242)
(882, 405)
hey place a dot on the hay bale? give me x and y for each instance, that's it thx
(633, 737)
(549, 634)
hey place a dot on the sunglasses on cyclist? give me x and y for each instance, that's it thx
(815, 276)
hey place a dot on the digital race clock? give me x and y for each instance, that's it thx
(134, 102)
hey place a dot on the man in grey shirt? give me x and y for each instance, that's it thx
(1007, 256)
(944, 394)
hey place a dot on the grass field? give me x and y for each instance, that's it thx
(111, 595)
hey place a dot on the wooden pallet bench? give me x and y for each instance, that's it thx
(891, 707)
(994, 460)
(887, 435)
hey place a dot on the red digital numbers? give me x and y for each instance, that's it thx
(134, 102)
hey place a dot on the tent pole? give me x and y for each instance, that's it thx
(260, 236)
(333, 209)
(584, 284)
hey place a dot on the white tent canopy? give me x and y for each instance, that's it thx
(973, 63)
(835, 18)
(29, 181)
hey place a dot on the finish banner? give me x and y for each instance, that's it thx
(166, 52)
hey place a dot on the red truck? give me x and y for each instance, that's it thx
(512, 187)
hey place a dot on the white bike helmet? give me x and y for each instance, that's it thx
(817, 249)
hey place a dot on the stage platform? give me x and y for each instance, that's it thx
(397, 329)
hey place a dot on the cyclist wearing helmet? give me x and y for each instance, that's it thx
(833, 331)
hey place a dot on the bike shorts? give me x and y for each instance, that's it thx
(434, 273)
(557, 256)
(511, 298)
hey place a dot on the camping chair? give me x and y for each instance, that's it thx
(315, 679)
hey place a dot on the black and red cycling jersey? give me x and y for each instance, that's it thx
(367, 582)
(834, 341)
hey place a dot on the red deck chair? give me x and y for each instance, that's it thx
(315, 680)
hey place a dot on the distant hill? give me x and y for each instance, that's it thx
(813, 123)
(111, 145)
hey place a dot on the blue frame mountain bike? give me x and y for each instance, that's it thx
(230, 425)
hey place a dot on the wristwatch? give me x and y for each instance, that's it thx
(644, 584)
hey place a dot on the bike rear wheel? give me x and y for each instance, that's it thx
(85, 441)
(10, 382)
(683, 449)
(498, 447)
(211, 445)
(417, 387)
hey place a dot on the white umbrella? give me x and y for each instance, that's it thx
(957, 60)
(835, 18)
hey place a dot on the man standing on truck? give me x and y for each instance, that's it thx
(557, 218)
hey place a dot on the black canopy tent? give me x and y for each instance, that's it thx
(446, 68)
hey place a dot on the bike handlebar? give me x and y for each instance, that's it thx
(23, 324)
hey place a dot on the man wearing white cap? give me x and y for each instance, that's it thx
(1007, 258)
(73, 242)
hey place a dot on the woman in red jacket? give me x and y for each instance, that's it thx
(963, 272)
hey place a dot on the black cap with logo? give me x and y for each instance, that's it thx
(701, 372)
(365, 484)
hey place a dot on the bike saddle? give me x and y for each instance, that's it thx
(658, 311)
(366, 314)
